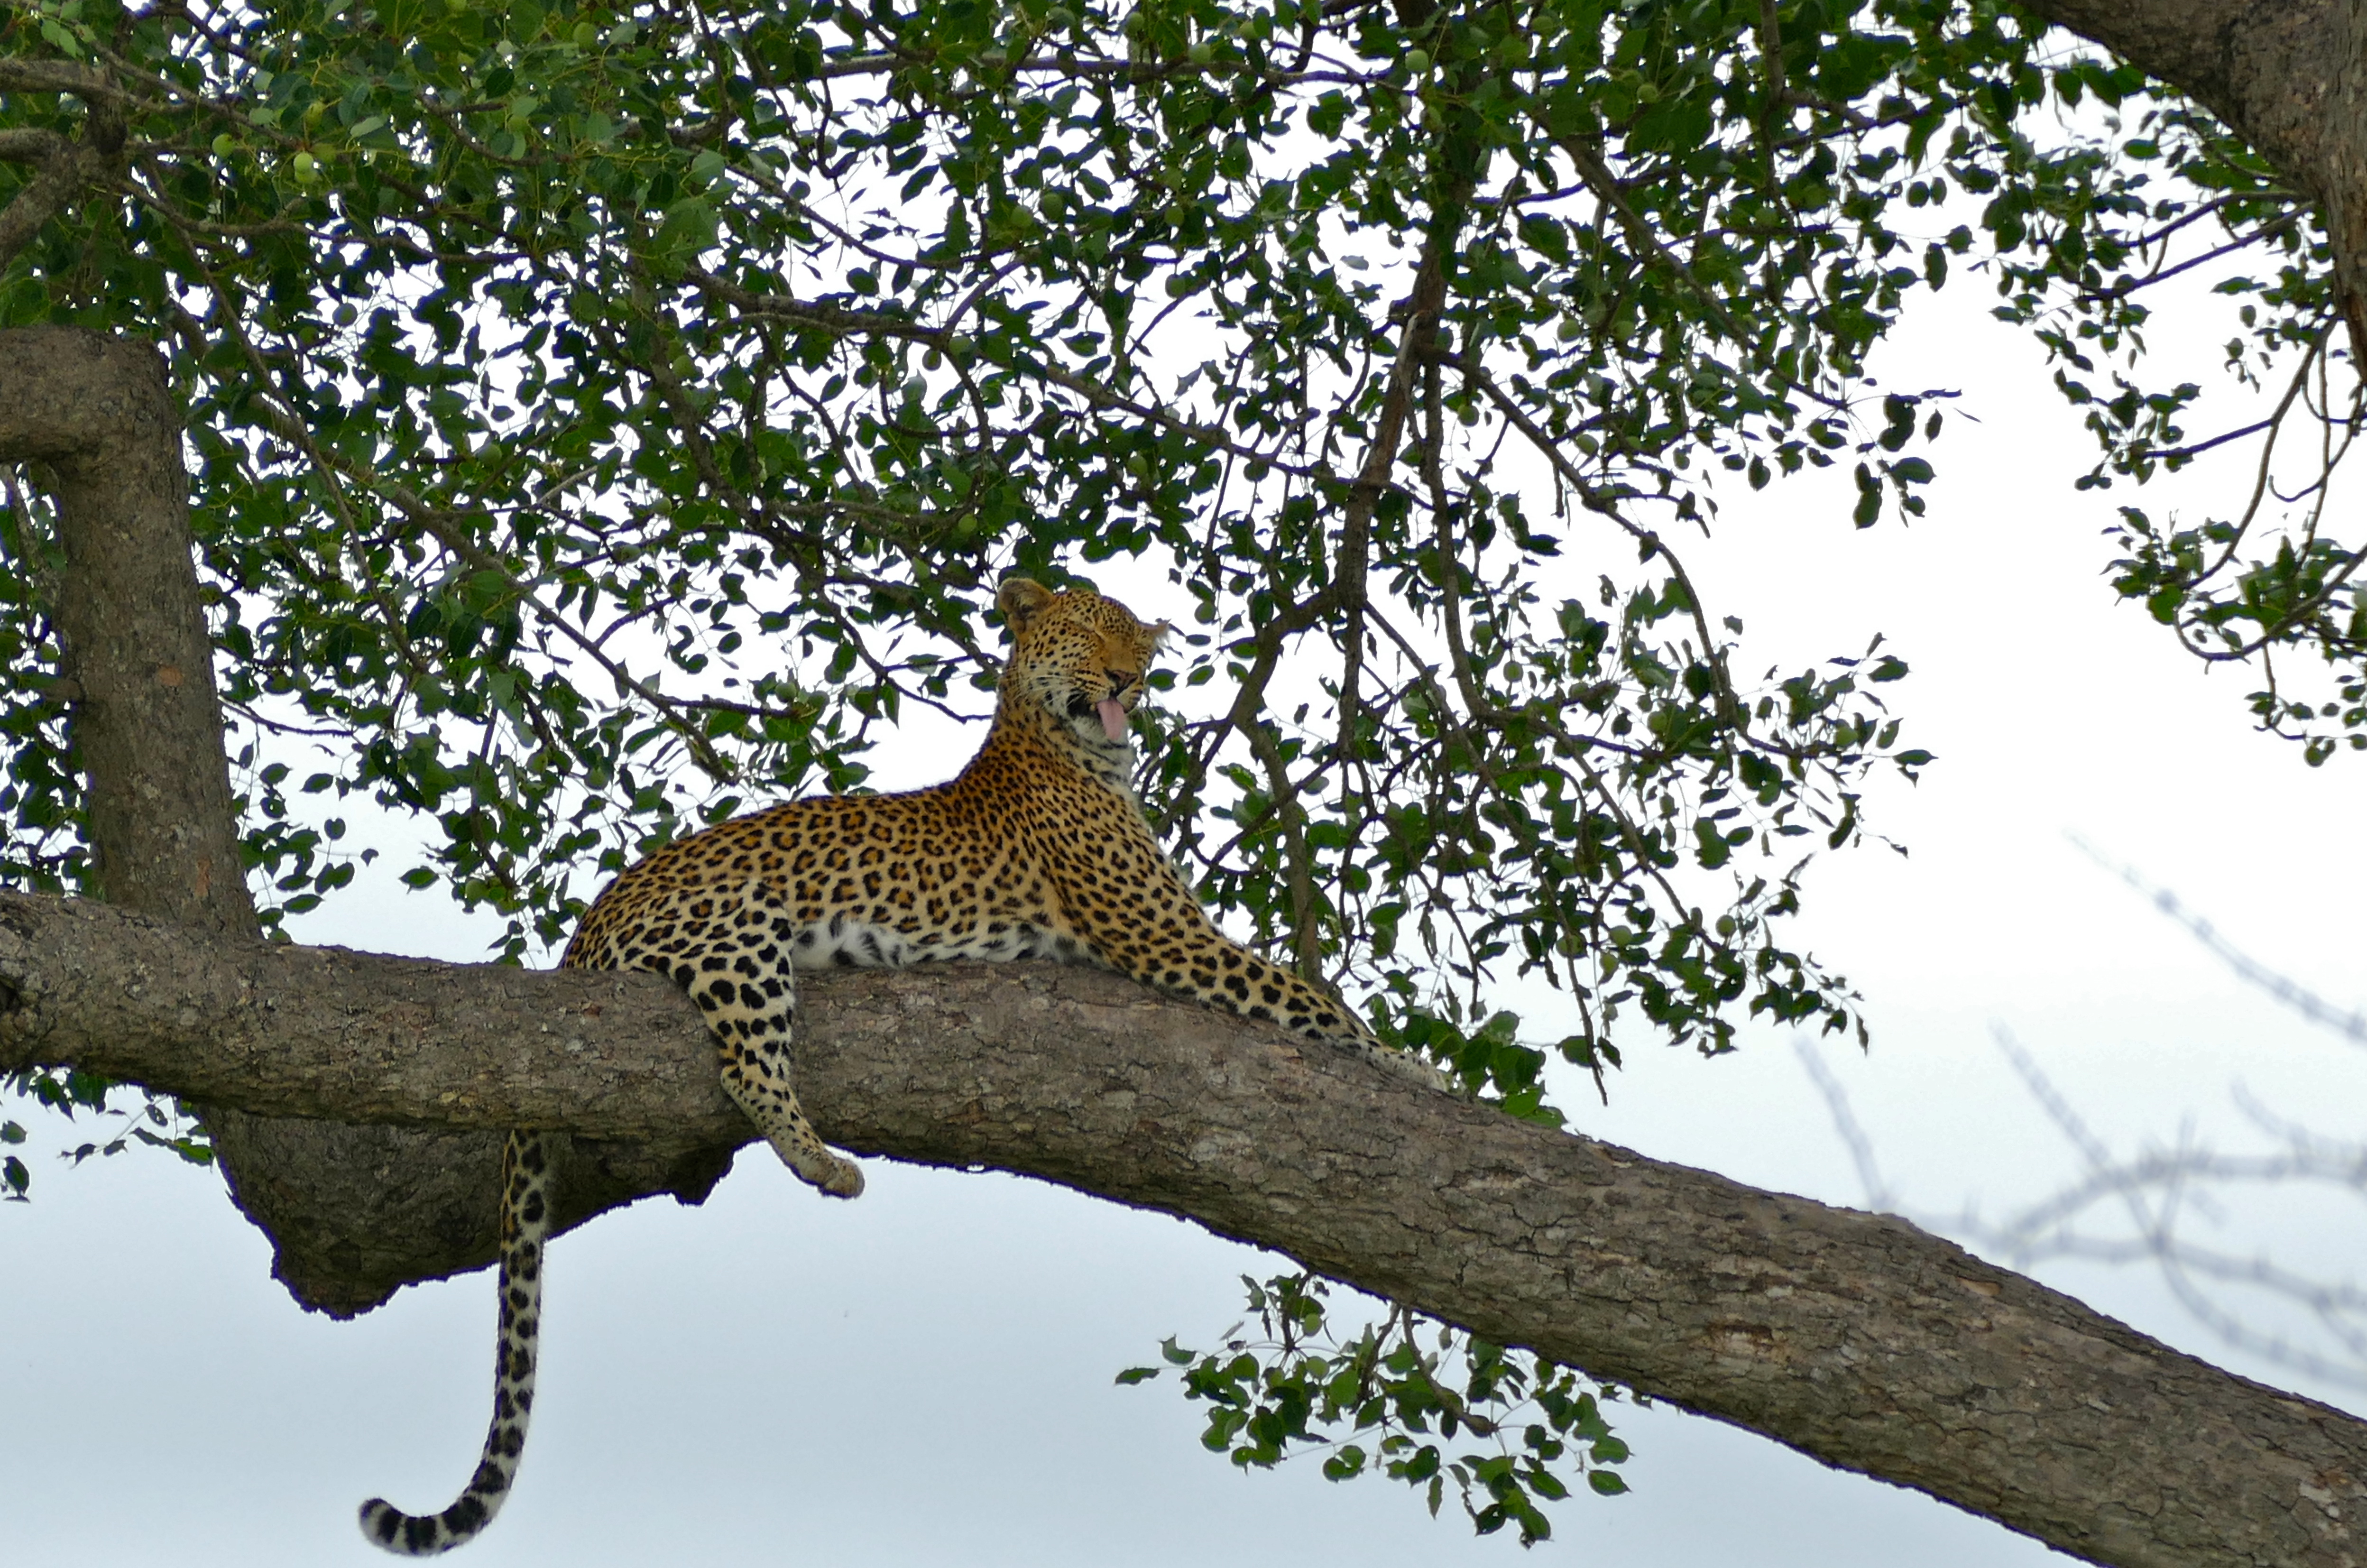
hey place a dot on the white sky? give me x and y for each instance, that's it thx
(924, 1376)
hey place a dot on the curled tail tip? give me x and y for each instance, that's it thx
(383, 1525)
(389, 1528)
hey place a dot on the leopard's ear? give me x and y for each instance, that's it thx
(1160, 634)
(1021, 601)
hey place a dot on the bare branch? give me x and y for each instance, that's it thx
(2350, 1025)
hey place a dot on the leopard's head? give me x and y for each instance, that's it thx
(1078, 661)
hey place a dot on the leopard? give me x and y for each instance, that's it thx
(1039, 848)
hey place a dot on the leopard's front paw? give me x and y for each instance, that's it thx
(821, 1170)
(816, 1166)
(844, 1180)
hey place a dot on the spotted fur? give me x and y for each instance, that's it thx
(1038, 850)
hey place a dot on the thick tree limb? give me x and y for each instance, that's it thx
(1857, 1339)
(2263, 68)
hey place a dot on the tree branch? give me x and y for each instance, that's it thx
(2261, 69)
(2290, 78)
(1855, 1338)
(60, 76)
(63, 169)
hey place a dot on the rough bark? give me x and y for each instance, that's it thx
(1855, 1338)
(2289, 76)
(353, 1212)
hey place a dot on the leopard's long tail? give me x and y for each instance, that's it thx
(525, 1222)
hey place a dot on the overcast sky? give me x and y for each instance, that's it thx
(926, 1376)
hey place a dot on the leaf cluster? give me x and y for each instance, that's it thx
(610, 417)
(153, 1122)
(2141, 196)
(1374, 1401)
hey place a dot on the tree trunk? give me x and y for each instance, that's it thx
(353, 1212)
(96, 415)
(1855, 1338)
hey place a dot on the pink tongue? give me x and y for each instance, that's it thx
(1113, 716)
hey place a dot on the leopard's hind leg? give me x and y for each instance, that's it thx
(526, 1224)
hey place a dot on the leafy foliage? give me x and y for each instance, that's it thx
(609, 417)
(14, 1177)
(1398, 1409)
(2150, 190)
(154, 1122)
